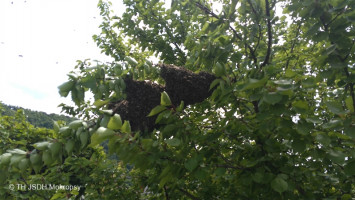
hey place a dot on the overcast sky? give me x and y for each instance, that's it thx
(40, 41)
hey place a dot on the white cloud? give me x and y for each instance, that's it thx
(40, 41)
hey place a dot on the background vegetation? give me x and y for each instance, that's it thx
(36, 118)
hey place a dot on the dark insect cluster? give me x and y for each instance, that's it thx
(184, 85)
(142, 96)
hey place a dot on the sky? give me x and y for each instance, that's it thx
(40, 42)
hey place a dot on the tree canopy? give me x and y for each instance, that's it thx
(277, 121)
(36, 118)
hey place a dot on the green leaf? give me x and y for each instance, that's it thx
(283, 82)
(147, 143)
(349, 168)
(299, 145)
(55, 149)
(272, 98)
(115, 122)
(320, 36)
(64, 130)
(191, 164)
(314, 120)
(304, 128)
(236, 57)
(75, 124)
(337, 156)
(255, 83)
(5, 158)
(156, 110)
(69, 146)
(166, 175)
(349, 103)
(35, 159)
(258, 177)
(126, 127)
(41, 145)
(220, 171)
(346, 196)
(15, 159)
(290, 73)
(131, 61)
(105, 120)
(17, 151)
(333, 124)
(55, 126)
(214, 83)
(314, 29)
(351, 17)
(219, 69)
(350, 131)
(84, 136)
(89, 82)
(173, 142)
(47, 158)
(323, 139)
(100, 135)
(300, 106)
(24, 164)
(165, 99)
(335, 107)
(99, 103)
(279, 184)
(66, 87)
(181, 106)
(309, 83)
(330, 49)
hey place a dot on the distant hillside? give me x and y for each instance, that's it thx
(36, 118)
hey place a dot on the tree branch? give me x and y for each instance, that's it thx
(34, 191)
(171, 36)
(188, 194)
(351, 86)
(166, 193)
(293, 44)
(209, 12)
(269, 33)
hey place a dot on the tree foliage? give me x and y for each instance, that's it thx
(36, 118)
(279, 123)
